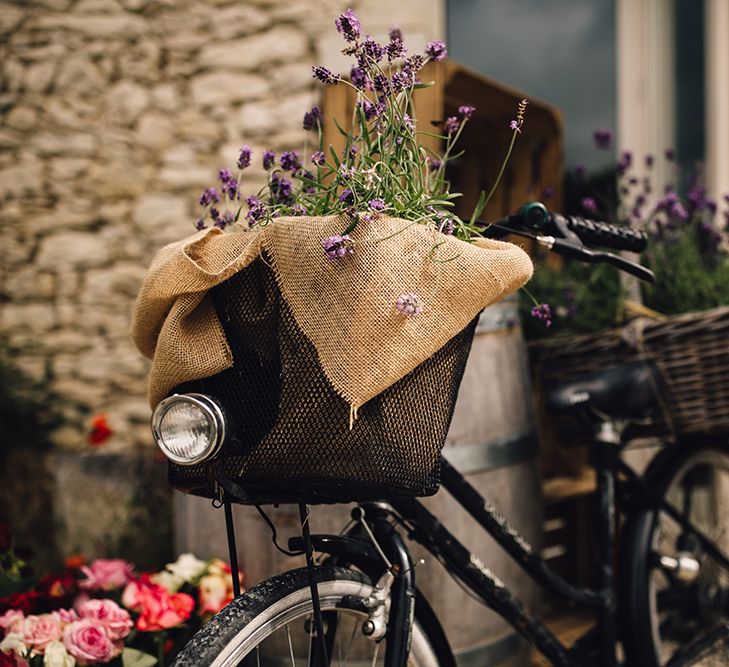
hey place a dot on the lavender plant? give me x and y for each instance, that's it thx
(688, 248)
(383, 170)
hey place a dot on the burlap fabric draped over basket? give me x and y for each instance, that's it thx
(342, 318)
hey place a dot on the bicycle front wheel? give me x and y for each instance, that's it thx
(272, 624)
(675, 596)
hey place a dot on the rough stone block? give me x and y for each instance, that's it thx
(282, 43)
(72, 250)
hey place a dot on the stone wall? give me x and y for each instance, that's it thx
(114, 115)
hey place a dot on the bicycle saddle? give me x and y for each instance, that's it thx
(623, 392)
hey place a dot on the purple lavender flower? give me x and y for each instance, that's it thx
(228, 183)
(603, 137)
(399, 81)
(376, 204)
(215, 214)
(589, 204)
(312, 117)
(324, 75)
(396, 48)
(382, 84)
(408, 122)
(433, 163)
(413, 64)
(227, 219)
(200, 224)
(626, 159)
(318, 158)
(281, 189)
(347, 196)
(670, 154)
(298, 209)
(349, 26)
(244, 159)
(436, 50)
(290, 161)
(368, 108)
(580, 170)
(360, 79)
(543, 313)
(306, 176)
(514, 125)
(548, 192)
(451, 125)
(256, 210)
(209, 196)
(649, 160)
(409, 305)
(372, 51)
(338, 246)
(465, 111)
(269, 159)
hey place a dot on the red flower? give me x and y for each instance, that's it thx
(74, 562)
(100, 430)
(25, 602)
(57, 590)
(158, 608)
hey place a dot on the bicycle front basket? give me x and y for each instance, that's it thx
(292, 437)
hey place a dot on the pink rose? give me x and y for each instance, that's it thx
(39, 631)
(109, 615)
(158, 608)
(106, 574)
(86, 641)
(11, 621)
(67, 615)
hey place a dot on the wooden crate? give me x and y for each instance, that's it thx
(535, 164)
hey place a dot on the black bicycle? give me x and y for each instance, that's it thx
(667, 605)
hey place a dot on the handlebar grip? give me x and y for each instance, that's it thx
(594, 232)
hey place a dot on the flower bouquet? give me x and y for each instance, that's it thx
(105, 613)
(334, 322)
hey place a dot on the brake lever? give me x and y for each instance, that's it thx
(567, 249)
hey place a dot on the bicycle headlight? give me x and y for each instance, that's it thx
(188, 428)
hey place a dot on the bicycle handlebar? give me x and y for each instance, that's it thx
(567, 236)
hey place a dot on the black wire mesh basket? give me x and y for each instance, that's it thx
(290, 437)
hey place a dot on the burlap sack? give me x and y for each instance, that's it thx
(346, 307)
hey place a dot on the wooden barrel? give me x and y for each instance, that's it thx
(492, 441)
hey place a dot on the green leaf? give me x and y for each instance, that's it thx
(237, 215)
(334, 155)
(131, 657)
(423, 84)
(339, 127)
(479, 207)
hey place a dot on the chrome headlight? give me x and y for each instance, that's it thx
(188, 428)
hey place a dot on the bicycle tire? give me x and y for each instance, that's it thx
(242, 627)
(661, 614)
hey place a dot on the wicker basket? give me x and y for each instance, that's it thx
(692, 354)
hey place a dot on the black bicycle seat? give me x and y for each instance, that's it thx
(623, 392)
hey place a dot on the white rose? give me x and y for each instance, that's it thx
(56, 656)
(187, 567)
(13, 642)
(171, 582)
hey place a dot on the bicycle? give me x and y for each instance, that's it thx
(669, 607)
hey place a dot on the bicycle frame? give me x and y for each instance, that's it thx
(386, 546)
(424, 528)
